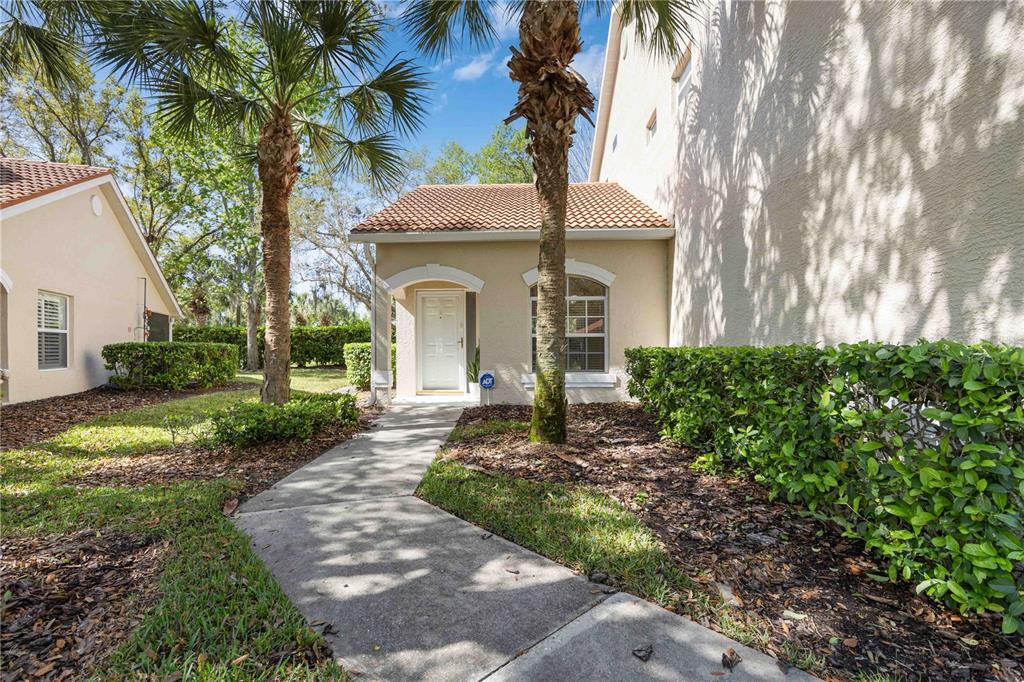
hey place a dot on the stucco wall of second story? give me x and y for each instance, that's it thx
(839, 171)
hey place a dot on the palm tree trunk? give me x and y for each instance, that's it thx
(278, 152)
(551, 96)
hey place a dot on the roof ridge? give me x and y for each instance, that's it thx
(55, 164)
(508, 206)
(22, 180)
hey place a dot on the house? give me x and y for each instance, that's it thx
(835, 171)
(459, 263)
(75, 274)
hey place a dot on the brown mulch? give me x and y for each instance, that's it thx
(71, 599)
(258, 467)
(796, 577)
(40, 420)
(74, 598)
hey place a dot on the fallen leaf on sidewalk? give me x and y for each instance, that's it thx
(730, 659)
(230, 506)
(644, 653)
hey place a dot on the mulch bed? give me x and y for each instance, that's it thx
(75, 598)
(40, 420)
(257, 467)
(797, 577)
(71, 599)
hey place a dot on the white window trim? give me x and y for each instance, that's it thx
(575, 267)
(66, 300)
(575, 335)
(651, 127)
(682, 79)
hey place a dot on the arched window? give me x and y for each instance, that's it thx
(586, 327)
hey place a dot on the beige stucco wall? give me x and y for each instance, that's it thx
(61, 247)
(839, 171)
(637, 305)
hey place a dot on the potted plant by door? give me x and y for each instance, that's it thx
(473, 376)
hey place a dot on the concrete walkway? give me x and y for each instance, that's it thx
(409, 592)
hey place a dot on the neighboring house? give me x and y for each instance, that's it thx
(835, 171)
(75, 274)
(460, 264)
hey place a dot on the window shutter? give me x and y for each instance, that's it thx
(51, 313)
(52, 331)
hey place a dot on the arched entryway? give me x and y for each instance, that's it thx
(435, 328)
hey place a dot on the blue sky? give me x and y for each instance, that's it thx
(472, 91)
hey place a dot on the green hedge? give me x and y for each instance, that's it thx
(310, 345)
(253, 423)
(170, 364)
(357, 364)
(918, 450)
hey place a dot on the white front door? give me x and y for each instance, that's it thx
(441, 340)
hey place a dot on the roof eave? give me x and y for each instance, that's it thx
(30, 201)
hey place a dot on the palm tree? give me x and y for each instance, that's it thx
(298, 78)
(551, 95)
(41, 38)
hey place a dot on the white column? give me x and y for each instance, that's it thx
(380, 375)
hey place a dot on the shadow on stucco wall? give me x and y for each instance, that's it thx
(852, 170)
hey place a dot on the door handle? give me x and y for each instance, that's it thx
(460, 341)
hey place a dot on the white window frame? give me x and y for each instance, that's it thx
(652, 126)
(65, 300)
(682, 75)
(570, 335)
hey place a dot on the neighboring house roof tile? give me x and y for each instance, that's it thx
(23, 179)
(453, 208)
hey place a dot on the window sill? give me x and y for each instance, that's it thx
(579, 380)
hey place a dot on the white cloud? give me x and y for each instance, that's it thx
(590, 64)
(476, 68)
(506, 25)
(440, 103)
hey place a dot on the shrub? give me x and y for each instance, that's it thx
(357, 364)
(918, 450)
(254, 423)
(170, 364)
(310, 345)
(326, 345)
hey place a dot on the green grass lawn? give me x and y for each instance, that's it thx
(463, 432)
(588, 531)
(219, 614)
(312, 379)
(573, 525)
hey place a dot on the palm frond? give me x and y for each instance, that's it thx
(137, 39)
(283, 41)
(377, 157)
(185, 106)
(662, 25)
(437, 26)
(341, 35)
(321, 140)
(32, 41)
(393, 98)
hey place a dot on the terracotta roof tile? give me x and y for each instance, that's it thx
(22, 179)
(449, 208)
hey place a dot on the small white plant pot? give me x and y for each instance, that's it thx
(474, 391)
